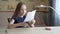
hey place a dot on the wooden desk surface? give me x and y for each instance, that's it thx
(36, 30)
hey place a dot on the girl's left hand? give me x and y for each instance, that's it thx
(31, 24)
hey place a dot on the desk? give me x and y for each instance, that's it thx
(36, 30)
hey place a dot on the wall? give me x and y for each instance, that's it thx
(10, 5)
(3, 18)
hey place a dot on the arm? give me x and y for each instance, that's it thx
(32, 23)
(12, 25)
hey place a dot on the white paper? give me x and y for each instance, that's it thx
(30, 16)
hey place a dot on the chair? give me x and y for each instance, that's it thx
(9, 19)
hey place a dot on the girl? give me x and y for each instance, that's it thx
(17, 20)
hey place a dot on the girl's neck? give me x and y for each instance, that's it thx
(21, 16)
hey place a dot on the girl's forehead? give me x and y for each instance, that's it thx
(23, 6)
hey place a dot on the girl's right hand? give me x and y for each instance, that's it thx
(24, 24)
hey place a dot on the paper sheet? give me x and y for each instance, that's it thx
(30, 16)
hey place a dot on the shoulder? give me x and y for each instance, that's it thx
(11, 21)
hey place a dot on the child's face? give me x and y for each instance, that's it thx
(23, 10)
